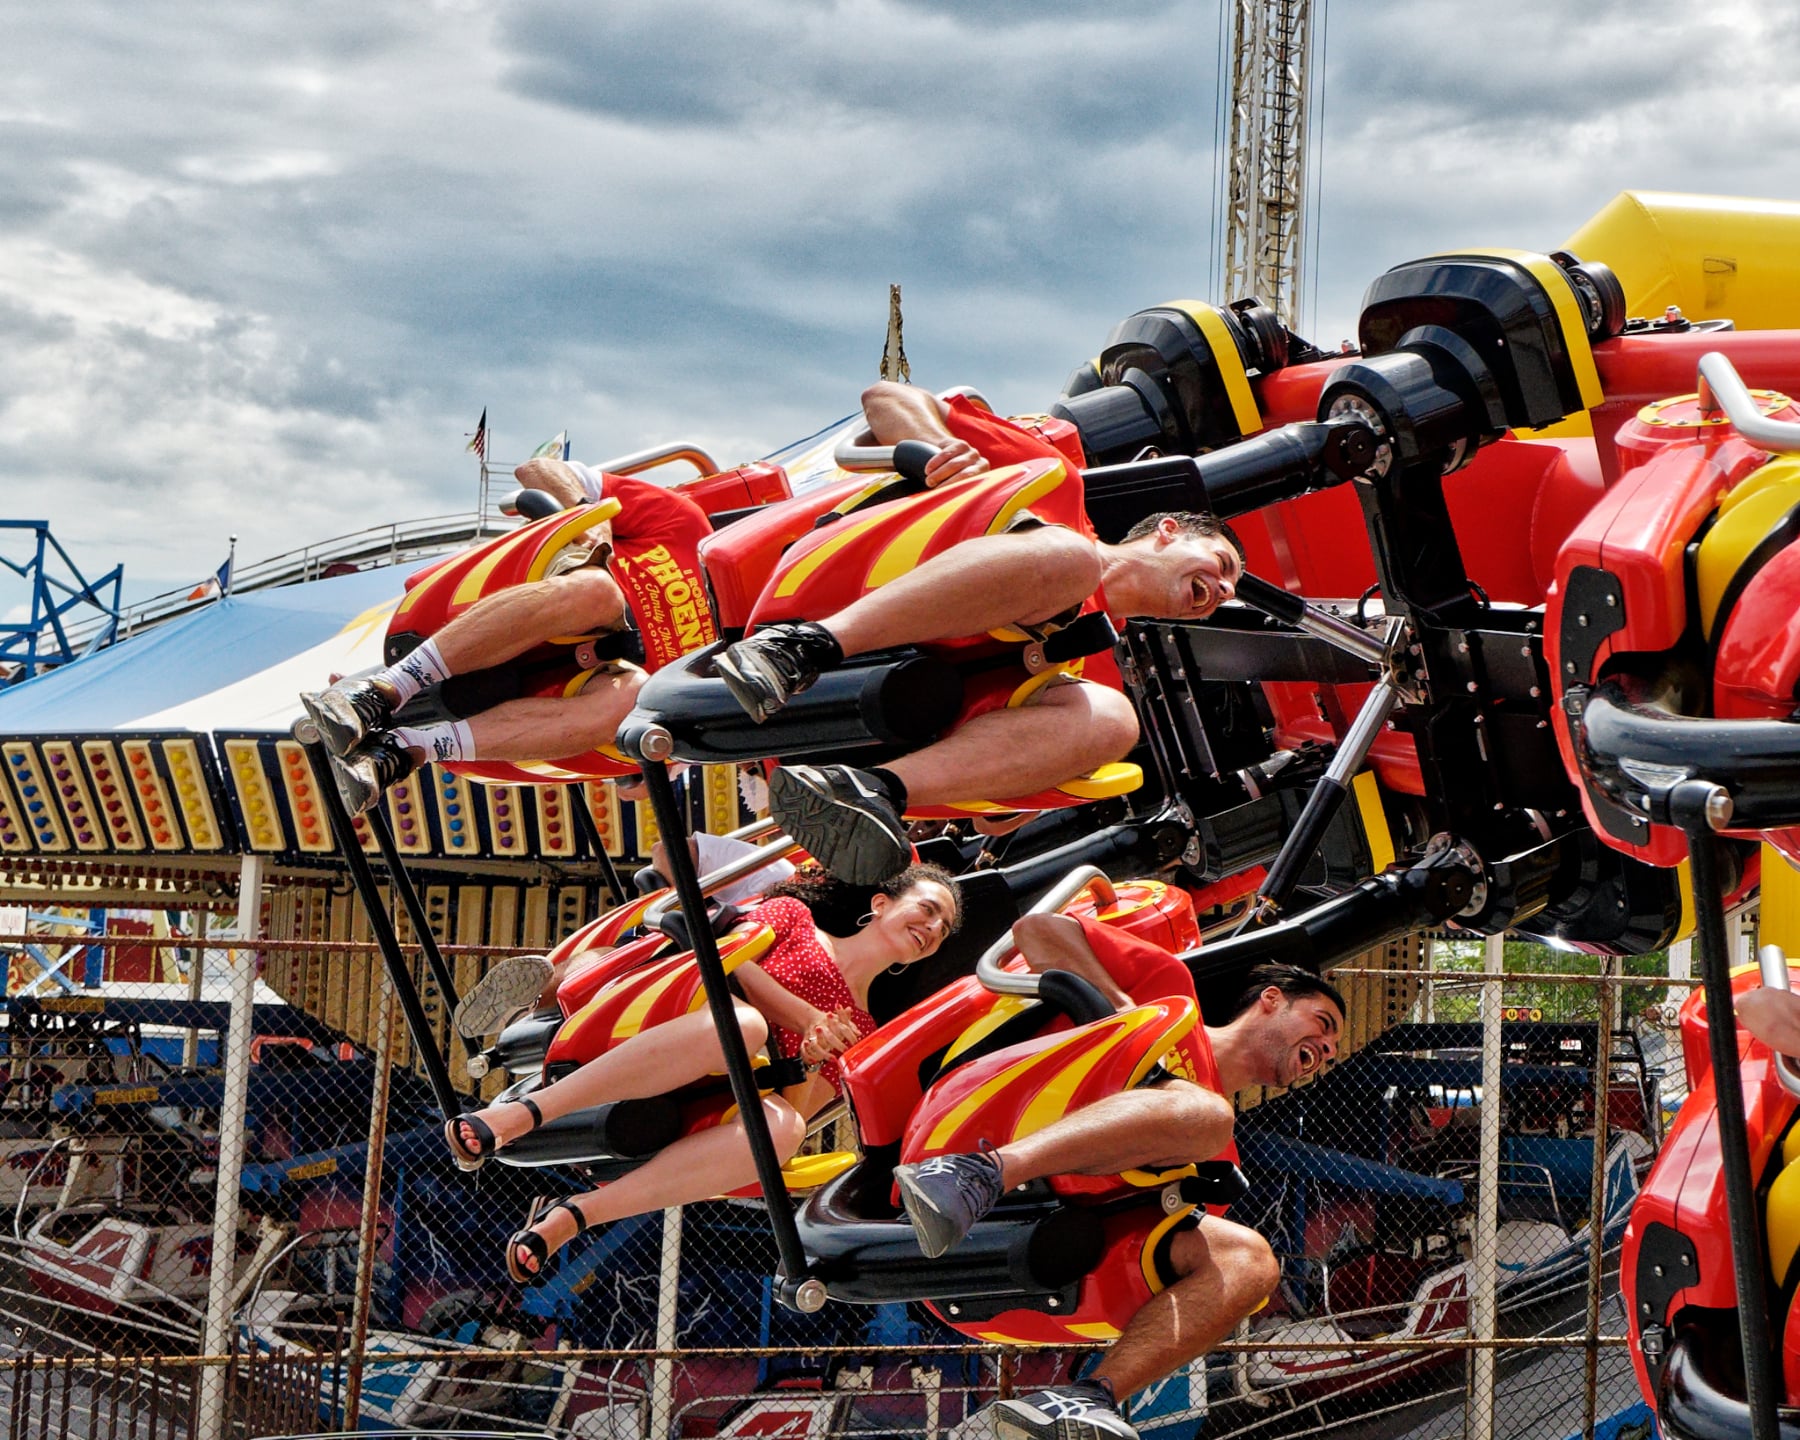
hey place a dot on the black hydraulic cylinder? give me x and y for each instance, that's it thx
(437, 1071)
(888, 697)
(1380, 909)
(1281, 465)
(1749, 1265)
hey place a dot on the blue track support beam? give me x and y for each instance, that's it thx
(42, 641)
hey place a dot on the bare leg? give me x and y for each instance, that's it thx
(652, 1062)
(1226, 1272)
(545, 727)
(979, 585)
(511, 621)
(1067, 731)
(713, 1162)
(1154, 1128)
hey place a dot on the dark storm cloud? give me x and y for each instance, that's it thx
(1036, 73)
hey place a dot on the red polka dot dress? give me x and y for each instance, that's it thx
(800, 964)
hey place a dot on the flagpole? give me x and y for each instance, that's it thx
(230, 568)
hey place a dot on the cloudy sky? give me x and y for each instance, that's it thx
(262, 266)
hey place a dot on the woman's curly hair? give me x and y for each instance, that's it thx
(838, 907)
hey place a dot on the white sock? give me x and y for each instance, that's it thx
(414, 672)
(451, 740)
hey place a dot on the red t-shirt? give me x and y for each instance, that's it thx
(1147, 972)
(1000, 441)
(656, 536)
(798, 962)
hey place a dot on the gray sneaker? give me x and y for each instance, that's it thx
(947, 1194)
(364, 774)
(510, 987)
(1079, 1410)
(765, 670)
(843, 818)
(348, 713)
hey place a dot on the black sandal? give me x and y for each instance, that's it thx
(536, 1246)
(486, 1142)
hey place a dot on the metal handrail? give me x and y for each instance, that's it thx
(777, 849)
(1773, 960)
(401, 540)
(1720, 382)
(1004, 982)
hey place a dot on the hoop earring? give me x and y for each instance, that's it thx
(897, 968)
(860, 924)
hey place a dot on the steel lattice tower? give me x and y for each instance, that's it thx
(1271, 52)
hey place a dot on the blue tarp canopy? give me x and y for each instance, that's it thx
(236, 664)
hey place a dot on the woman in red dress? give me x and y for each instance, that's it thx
(808, 997)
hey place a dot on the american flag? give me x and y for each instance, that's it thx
(479, 443)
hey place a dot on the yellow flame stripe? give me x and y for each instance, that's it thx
(1094, 1330)
(1053, 1100)
(902, 554)
(1051, 479)
(986, 1091)
(632, 1020)
(803, 568)
(1005, 1007)
(582, 519)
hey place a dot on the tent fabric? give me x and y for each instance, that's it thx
(237, 664)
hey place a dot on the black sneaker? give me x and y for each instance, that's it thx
(348, 713)
(1079, 1410)
(843, 818)
(947, 1194)
(368, 770)
(510, 987)
(765, 670)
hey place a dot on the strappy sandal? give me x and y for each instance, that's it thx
(535, 1245)
(486, 1142)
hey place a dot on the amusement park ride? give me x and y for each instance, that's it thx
(1553, 699)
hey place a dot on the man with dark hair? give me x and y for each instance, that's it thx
(1031, 578)
(1285, 1027)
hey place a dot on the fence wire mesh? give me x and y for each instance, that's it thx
(1367, 1182)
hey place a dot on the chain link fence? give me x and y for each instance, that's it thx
(255, 1205)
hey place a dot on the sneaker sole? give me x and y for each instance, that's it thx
(340, 736)
(744, 689)
(1015, 1420)
(937, 1234)
(511, 986)
(850, 844)
(356, 795)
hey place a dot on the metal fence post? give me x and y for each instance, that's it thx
(668, 1304)
(368, 1237)
(235, 1059)
(1597, 1203)
(1479, 1424)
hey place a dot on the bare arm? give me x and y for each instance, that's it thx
(826, 1033)
(1773, 1017)
(905, 412)
(1055, 942)
(553, 477)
